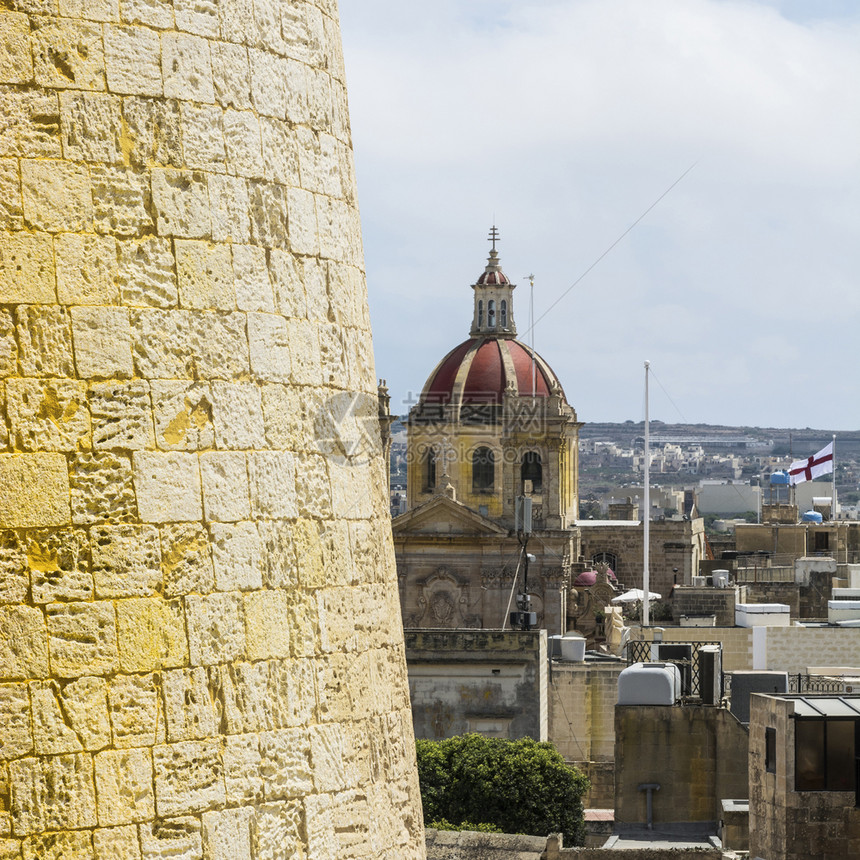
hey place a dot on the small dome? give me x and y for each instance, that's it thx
(493, 274)
(589, 577)
(481, 369)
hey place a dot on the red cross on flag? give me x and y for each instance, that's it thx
(818, 464)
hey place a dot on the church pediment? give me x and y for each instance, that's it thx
(442, 515)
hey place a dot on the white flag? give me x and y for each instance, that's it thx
(818, 464)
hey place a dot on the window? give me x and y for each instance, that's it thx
(491, 313)
(430, 471)
(770, 750)
(532, 470)
(480, 314)
(822, 541)
(824, 755)
(503, 313)
(607, 558)
(483, 470)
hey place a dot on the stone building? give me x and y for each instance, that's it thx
(492, 425)
(200, 648)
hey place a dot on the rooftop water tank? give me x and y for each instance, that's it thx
(649, 684)
(721, 578)
(780, 478)
(812, 517)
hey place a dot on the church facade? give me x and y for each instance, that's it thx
(493, 426)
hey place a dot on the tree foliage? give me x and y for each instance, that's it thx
(518, 786)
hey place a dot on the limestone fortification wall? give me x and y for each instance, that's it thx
(200, 646)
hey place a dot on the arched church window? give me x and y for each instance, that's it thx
(503, 313)
(483, 470)
(532, 470)
(491, 313)
(480, 314)
(608, 558)
(430, 471)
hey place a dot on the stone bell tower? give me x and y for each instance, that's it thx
(200, 644)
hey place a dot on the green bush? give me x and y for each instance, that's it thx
(517, 786)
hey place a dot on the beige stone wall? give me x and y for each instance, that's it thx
(737, 642)
(795, 649)
(200, 647)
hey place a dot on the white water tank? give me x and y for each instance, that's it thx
(721, 578)
(649, 684)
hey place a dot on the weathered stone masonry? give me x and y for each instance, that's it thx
(200, 647)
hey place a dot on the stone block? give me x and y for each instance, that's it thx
(285, 416)
(267, 206)
(242, 691)
(135, 708)
(34, 490)
(59, 562)
(251, 279)
(237, 555)
(218, 345)
(55, 793)
(153, 13)
(14, 570)
(121, 415)
(11, 210)
(101, 489)
(273, 484)
(189, 777)
(67, 54)
(269, 340)
(186, 67)
(238, 415)
(304, 230)
(205, 274)
(183, 415)
(116, 843)
(231, 75)
(48, 414)
(84, 704)
(304, 352)
(286, 765)
(186, 560)
(230, 204)
(225, 486)
(242, 776)
(26, 269)
(52, 735)
(133, 60)
(168, 487)
(91, 126)
(82, 639)
(17, 737)
(16, 62)
(280, 156)
(280, 830)
(267, 621)
(267, 83)
(172, 839)
(203, 137)
(288, 281)
(216, 629)
(124, 786)
(121, 201)
(243, 142)
(328, 756)
(181, 201)
(57, 196)
(92, 10)
(86, 269)
(198, 16)
(190, 710)
(146, 273)
(29, 123)
(23, 643)
(57, 846)
(151, 634)
(229, 834)
(153, 132)
(102, 339)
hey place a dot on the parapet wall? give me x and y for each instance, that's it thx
(200, 646)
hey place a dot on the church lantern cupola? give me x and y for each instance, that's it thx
(494, 306)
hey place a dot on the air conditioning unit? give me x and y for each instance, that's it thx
(711, 674)
(682, 656)
(699, 581)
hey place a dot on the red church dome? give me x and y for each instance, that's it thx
(481, 369)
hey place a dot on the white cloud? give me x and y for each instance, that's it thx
(564, 121)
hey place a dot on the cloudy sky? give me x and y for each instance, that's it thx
(564, 122)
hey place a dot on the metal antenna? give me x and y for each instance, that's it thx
(531, 279)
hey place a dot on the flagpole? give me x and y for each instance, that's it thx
(646, 520)
(833, 484)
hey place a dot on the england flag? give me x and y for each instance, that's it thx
(818, 464)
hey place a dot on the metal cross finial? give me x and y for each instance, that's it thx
(494, 236)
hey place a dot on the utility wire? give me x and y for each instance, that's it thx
(616, 242)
